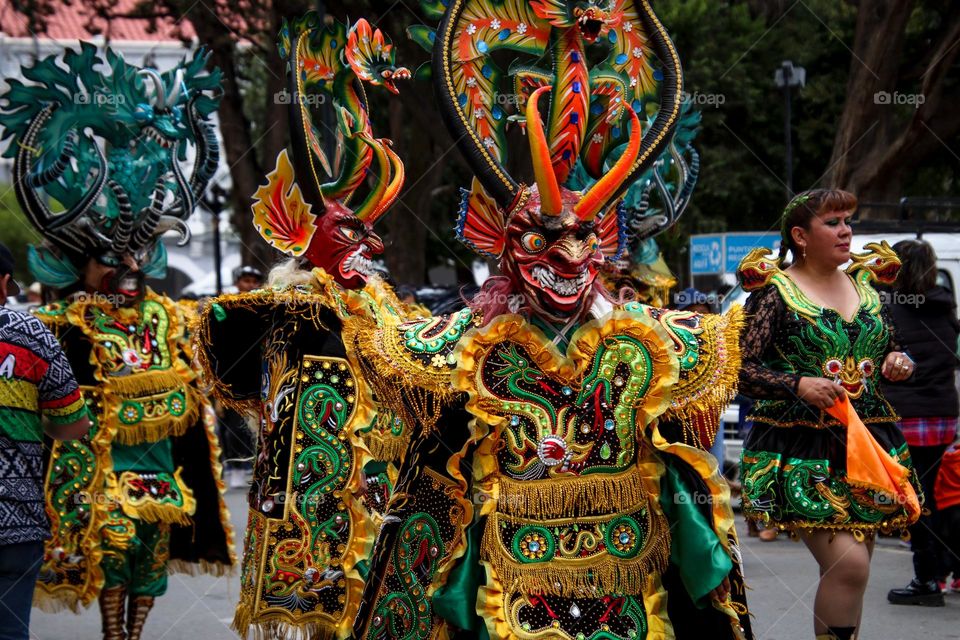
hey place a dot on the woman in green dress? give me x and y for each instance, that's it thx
(814, 332)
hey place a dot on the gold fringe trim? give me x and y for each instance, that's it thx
(279, 628)
(148, 383)
(569, 497)
(386, 448)
(700, 398)
(54, 602)
(147, 509)
(580, 578)
(153, 512)
(416, 394)
(202, 567)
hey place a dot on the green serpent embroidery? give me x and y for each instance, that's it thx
(807, 489)
(685, 342)
(615, 351)
(325, 464)
(408, 615)
(433, 335)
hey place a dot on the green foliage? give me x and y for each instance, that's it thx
(16, 232)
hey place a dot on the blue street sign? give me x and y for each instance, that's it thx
(738, 245)
(706, 254)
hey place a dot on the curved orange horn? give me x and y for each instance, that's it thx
(396, 183)
(595, 200)
(551, 203)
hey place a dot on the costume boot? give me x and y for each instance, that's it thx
(137, 615)
(925, 594)
(112, 601)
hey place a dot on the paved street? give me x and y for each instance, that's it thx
(781, 575)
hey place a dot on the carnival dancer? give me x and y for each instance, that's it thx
(541, 496)
(816, 334)
(142, 493)
(317, 490)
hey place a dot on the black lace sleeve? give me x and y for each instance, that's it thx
(765, 311)
(895, 343)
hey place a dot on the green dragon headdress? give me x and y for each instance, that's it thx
(99, 156)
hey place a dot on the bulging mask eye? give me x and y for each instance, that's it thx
(593, 243)
(350, 234)
(533, 242)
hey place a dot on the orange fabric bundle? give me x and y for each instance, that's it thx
(947, 488)
(868, 465)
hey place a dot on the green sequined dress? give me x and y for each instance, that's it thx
(794, 457)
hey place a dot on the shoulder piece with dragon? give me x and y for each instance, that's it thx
(879, 264)
(757, 269)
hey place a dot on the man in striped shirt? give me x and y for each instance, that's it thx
(35, 381)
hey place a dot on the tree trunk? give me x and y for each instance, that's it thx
(866, 125)
(876, 144)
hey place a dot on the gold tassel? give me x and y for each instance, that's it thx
(201, 567)
(569, 497)
(150, 383)
(153, 512)
(386, 447)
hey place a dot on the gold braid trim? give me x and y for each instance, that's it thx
(581, 577)
(702, 393)
(86, 542)
(557, 497)
(861, 530)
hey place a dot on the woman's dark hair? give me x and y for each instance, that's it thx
(807, 205)
(918, 270)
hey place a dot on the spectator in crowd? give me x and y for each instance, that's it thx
(35, 380)
(35, 294)
(925, 315)
(247, 278)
